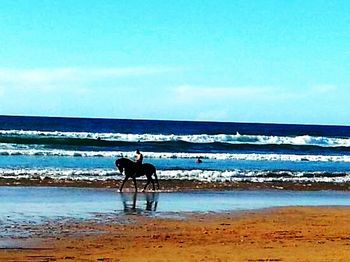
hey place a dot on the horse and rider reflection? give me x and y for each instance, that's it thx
(134, 203)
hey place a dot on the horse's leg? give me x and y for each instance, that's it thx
(121, 187)
(150, 177)
(156, 178)
(148, 180)
(134, 179)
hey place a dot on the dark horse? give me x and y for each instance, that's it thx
(130, 169)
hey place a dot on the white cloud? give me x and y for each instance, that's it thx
(187, 93)
(218, 115)
(211, 94)
(35, 75)
(56, 76)
(323, 89)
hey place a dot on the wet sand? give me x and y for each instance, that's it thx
(279, 234)
(177, 185)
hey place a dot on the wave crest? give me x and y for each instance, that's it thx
(11, 150)
(201, 175)
(237, 138)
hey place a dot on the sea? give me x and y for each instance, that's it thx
(86, 149)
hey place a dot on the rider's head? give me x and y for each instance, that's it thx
(137, 151)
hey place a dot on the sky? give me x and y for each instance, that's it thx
(238, 61)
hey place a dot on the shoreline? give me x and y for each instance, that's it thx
(273, 234)
(179, 185)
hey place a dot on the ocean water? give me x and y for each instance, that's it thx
(85, 149)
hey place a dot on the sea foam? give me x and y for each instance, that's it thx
(194, 138)
(13, 150)
(199, 175)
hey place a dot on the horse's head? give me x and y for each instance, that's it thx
(119, 166)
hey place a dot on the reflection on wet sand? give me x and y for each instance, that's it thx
(139, 203)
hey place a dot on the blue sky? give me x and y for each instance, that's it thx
(242, 61)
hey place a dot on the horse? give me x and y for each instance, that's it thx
(130, 170)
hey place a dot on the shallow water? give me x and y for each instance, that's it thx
(32, 205)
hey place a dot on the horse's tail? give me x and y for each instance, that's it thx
(156, 177)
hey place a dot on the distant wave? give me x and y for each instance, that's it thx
(57, 173)
(201, 175)
(12, 150)
(58, 137)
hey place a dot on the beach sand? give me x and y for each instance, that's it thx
(279, 234)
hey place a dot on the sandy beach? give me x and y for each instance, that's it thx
(279, 234)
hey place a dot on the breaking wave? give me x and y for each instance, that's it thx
(89, 138)
(200, 175)
(12, 150)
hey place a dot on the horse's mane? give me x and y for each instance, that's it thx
(124, 159)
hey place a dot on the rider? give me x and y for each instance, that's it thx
(138, 160)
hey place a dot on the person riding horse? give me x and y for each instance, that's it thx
(128, 168)
(138, 161)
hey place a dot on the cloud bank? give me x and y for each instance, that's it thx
(57, 76)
